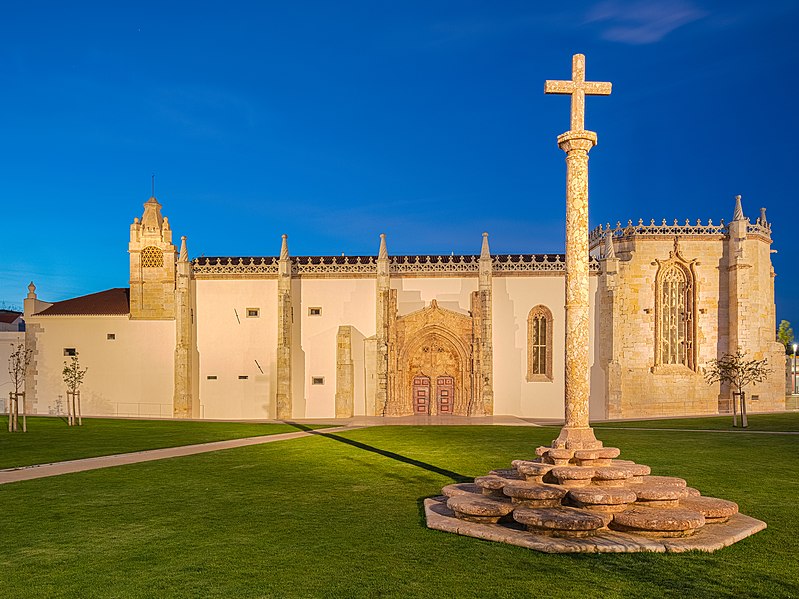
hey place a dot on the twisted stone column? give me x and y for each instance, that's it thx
(577, 434)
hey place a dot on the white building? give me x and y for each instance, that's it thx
(323, 336)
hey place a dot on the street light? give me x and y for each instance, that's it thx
(794, 369)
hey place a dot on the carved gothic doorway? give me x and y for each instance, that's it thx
(421, 395)
(445, 394)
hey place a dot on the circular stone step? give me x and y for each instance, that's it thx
(534, 471)
(477, 508)
(507, 473)
(559, 521)
(692, 492)
(461, 489)
(602, 499)
(659, 495)
(535, 495)
(491, 484)
(573, 476)
(714, 510)
(611, 476)
(658, 523)
(601, 456)
(665, 480)
(638, 471)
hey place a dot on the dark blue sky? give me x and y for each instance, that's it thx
(336, 121)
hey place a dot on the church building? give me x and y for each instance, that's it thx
(257, 337)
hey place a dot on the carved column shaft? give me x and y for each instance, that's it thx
(577, 432)
(284, 324)
(182, 404)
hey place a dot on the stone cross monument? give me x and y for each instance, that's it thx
(577, 434)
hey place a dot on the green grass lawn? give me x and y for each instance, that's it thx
(788, 421)
(51, 440)
(342, 517)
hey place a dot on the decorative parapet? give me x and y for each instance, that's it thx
(255, 267)
(759, 228)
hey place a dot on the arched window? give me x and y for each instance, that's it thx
(539, 344)
(675, 309)
(152, 257)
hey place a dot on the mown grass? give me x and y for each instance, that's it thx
(786, 421)
(341, 516)
(51, 440)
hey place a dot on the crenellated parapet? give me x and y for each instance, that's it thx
(760, 229)
(366, 266)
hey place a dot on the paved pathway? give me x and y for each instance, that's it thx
(13, 475)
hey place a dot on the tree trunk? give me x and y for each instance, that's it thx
(80, 420)
(744, 422)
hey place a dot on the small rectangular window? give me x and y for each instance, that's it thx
(243, 377)
(111, 336)
(317, 380)
(211, 377)
(70, 351)
(253, 312)
(317, 311)
(755, 398)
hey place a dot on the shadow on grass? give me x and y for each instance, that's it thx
(455, 476)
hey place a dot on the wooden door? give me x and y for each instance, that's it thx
(445, 394)
(421, 395)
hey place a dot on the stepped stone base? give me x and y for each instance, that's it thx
(584, 499)
(707, 538)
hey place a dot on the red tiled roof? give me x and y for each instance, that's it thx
(109, 302)
(9, 316)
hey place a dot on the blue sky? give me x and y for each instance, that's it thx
(336, 121)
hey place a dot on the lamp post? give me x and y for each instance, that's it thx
(794, 369)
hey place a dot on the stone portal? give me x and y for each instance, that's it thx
(431, 363)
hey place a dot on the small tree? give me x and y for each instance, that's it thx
(73, 379)
(785, 335)
(739, 372)
(18, 363)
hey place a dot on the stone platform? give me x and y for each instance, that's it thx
(567, 501)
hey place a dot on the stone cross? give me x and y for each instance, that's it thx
(577, 433)
(577, 88)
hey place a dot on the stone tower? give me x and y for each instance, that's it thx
(152, 265)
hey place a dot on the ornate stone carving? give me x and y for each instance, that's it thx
(539, 344)
(675, 312)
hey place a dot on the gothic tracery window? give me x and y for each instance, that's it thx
(152, 257)
(675, 326)
(539, 344)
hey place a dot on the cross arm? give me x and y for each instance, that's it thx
(559, 87)
(597, 88)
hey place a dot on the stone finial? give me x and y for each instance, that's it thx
(151, 220)
(739, 211)
(184, 252)
(382, 254)
(31, 291)
(284, 248)
(763, 220)
(610, 252)
(485, 253)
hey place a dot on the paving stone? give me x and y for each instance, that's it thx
(714, 510)
(676, 522)
(692, 492)
(658, 495)
(479, 508)
(461, 489)
(559, 521)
